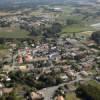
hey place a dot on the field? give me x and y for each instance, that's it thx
(4, 13)
(71, 96)
(79, 31)
(67, 10)
(74, 28)
(3, 52)
(13, 33)
(84, 20)
(81, 26)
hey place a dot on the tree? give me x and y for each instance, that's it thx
(34, 32)
(5, 24)
(91, 90)
(96, 36)
(71, 21)
(53, 30)
(56, 27)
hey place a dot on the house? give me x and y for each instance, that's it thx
(36, 59)
(30, 66)
(20, 59)
(7, 90)
(8, 79)
(71, 74)
(4, 90)
(71, 41)
(94, 50)
(57, 69)
(60, 41)
(64, 77)
(84, 73)
(66, 68)
(98, 78)
(28, 58)
(7, 59)
(34, 51)
(59, 98)
(87, 66)
(28, 51)
(53, 48)
(57, 9)
(36, 96)
(44, 47)
(23, 68)
(1, 86)
(13, 45)
(53, 55)
(7, 68)
(80, 55)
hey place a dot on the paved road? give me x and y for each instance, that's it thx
(49, 92)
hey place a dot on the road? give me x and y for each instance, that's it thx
(49, 92)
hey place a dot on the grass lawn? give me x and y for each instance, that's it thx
(13, 33)
(71, 96)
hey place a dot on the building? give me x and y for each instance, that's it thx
(28, 58)
(64, 77)
(20, 59)
(36, 96)
(23, 68)
(59, 98)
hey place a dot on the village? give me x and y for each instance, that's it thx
(50, 50)
(29, 17)
(41, 65)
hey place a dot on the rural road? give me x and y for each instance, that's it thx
(49, 92)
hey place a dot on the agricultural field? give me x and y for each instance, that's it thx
(74, 28)
(13, 33)
(84, 19)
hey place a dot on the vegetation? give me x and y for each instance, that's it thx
(29, 80)
(89, 91)
(74, 28)
(13, 33)
(96, 36)
(71, 96)
(53, 30)
(12, 96)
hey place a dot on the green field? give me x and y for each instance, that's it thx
(67, 10)
(13, 33)
(74, 28)
(81, 24)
